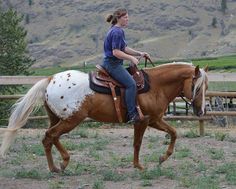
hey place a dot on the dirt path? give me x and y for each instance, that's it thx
(102, 158)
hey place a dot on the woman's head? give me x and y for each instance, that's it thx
(120, 16)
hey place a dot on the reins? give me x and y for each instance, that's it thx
(146, 58)
(187, 102)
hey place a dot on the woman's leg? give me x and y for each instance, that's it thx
(119, 73)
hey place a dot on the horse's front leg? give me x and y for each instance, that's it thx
(163, 126)
(139, 130)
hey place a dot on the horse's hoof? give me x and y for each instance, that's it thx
(62, 167)
(161, 160)
(140, 167)
(55, 170)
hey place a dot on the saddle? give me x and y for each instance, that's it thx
(102, 82)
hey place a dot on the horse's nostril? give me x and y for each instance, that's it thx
(200, 113)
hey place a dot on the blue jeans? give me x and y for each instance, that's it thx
(119, 73)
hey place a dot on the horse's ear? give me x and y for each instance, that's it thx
(206, 68)
(197, 71)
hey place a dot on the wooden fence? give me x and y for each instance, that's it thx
(216, 77)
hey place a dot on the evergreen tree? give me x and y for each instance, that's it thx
(223, 5)
(13, 53)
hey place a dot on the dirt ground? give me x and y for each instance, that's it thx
(105, 156)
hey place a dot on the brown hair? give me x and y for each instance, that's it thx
(112, 18)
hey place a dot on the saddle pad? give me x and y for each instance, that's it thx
(94, 85)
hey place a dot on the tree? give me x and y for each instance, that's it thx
(13, 52)
(223, 6)
(214, 22)
(13, 45)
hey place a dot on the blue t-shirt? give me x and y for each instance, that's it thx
(115, 39)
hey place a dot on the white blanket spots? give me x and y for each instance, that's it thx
(66, 92)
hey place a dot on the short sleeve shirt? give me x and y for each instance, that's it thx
(115, 39)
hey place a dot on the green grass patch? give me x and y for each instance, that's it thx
(216, 154)
(222, 86)
(83, 168)
(229, 169)
(69, 145)
(181, 153)
(118, 161)
(146, 183)
(112, 175)
(32, 174)
(225, 62)
(56, 184)
(217, 63)
(209, 182)
(98, 184)
(192, 133)
(157, 172)
(221, 136)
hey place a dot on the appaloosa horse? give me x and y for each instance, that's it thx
(69, 100)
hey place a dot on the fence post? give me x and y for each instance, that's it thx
(201, 127)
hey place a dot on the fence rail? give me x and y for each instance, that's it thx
(216, 77)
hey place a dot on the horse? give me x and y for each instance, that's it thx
(68, 100)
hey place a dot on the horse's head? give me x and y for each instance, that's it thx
(195, 90)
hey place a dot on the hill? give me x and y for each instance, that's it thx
(71, 32)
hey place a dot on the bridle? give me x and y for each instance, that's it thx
(194, 78)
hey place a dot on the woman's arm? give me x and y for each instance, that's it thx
(125, 56)
(133, 52)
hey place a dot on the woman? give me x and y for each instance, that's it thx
(115, 51)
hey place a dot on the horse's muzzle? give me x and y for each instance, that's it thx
(200, 113)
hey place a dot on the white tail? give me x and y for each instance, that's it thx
(21, 111)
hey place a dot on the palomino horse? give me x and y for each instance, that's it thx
(69, 100)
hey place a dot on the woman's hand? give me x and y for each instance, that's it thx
(134, 60)
(144, 54)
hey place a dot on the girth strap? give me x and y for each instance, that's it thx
(116, 101)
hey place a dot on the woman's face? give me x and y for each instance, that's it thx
(123, 21)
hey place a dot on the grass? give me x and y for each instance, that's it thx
(192, 133)
(98, 184)
(216, 154)
(183, 152)
(220, 136)
(112, 175)
(31, 173)
(56, 184)
(218, 63)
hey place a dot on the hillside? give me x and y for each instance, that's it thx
(70, 32)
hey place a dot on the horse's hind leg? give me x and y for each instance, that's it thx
(52, 137)
(52, 117)
(48, 143)
(163, 126)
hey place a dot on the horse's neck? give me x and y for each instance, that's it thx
(170, 79)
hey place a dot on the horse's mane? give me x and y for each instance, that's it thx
(177, 63)
(200, 81)
(171, 64)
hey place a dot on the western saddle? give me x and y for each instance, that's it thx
(101, 78)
